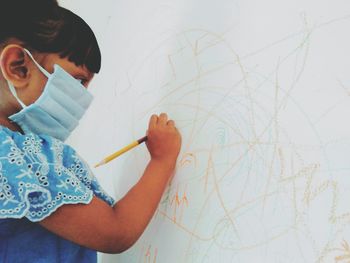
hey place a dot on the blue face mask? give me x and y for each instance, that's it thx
(58, 109)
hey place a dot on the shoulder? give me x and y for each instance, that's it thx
(40, 156)
(17, 148)
(40, 173)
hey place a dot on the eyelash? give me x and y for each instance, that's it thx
(82, 81)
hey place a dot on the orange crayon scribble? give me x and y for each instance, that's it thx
(185, 200)
(178, 203)
(209, 170)
(345, 257)
(175, 200)
(149, 255)
(155, 255)
(187, 159)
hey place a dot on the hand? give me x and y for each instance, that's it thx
(163, 139)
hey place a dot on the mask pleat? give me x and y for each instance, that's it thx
(37, 121)
(65, 81)
(65, 102)
(59, 113)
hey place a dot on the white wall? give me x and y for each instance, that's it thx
(260, 91)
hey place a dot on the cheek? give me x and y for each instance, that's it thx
(34, 89)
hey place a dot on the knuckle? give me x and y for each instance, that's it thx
(151, 132)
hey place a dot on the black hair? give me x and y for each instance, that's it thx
(44, 26)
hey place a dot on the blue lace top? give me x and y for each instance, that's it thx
(38, 174)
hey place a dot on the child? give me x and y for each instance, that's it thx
(52, 209)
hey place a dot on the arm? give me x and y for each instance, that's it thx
(114, 229)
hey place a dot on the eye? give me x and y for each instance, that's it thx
(82, 81)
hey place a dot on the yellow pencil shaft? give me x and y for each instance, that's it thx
(120, 152)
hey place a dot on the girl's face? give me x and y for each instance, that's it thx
(18, 68)
(48, 61)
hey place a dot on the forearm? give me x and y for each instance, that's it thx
(134, 211)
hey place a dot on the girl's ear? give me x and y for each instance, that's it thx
(14, 65)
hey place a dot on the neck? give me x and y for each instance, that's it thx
(8, 106)
(11, 125)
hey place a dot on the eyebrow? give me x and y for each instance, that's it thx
(88, 74)
(85, 73)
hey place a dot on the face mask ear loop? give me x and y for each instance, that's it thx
(14, 93)
(44, 71)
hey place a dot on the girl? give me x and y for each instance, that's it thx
(52, 209)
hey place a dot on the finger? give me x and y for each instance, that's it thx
(176, 129)
(171, 123)
(153, 121)
(163, 118)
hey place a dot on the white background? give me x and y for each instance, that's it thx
(260, 92)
